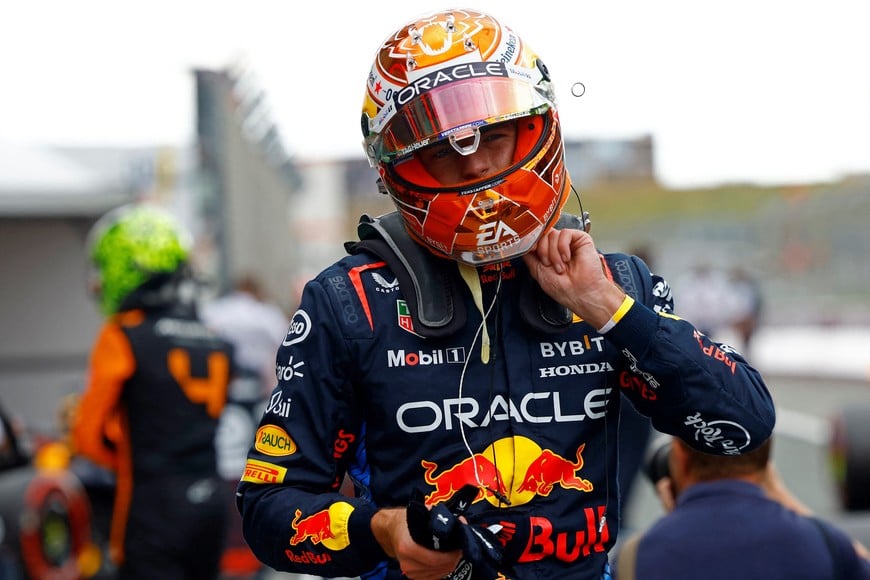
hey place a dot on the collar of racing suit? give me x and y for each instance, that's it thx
(431, 283)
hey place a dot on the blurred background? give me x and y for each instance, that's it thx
(726, 140)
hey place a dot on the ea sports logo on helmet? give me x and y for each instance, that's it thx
(494, 232)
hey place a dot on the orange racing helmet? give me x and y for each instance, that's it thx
(445, 76)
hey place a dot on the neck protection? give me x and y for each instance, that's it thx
(432, 285)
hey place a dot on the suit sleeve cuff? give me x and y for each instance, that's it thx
(359, 527)
(634, 327)
(626, 305)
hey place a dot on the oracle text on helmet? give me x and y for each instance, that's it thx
(448, 75)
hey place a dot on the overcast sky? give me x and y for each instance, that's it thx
(768, 91)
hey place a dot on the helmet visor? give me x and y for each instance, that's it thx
(442, 110)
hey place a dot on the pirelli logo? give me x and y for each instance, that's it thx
(262, 472)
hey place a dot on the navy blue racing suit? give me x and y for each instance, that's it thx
(532, 422)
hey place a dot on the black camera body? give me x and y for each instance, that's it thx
(655, 464)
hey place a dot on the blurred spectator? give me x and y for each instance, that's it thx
(724, 304)
(706, 298)
(157, 384)
(256, 329)
(732, 517)
(747, 307)
(644, 252)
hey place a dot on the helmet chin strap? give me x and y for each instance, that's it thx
(472, 133)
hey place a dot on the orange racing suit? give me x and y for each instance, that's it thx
(156, 387)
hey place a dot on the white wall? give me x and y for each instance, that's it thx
(47, 320)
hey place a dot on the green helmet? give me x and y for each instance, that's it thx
(129, 246)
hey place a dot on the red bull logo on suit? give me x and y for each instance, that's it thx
(515, 468)
(327, 527)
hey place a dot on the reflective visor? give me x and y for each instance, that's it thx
(440, 111)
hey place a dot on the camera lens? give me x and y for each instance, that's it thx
(656, 463)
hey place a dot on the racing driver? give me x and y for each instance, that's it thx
(462, 365)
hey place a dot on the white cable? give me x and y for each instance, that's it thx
(477, 293)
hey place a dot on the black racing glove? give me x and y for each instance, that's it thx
(440, 529)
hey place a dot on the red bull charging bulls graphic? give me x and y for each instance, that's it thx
(515, 468)
(315, 528)
(318, 528)
(513, 471)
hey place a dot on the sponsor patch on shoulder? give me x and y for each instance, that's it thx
(263, 472)
(273, 440)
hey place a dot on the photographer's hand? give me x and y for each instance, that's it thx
(774, 487)
(667, 493)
